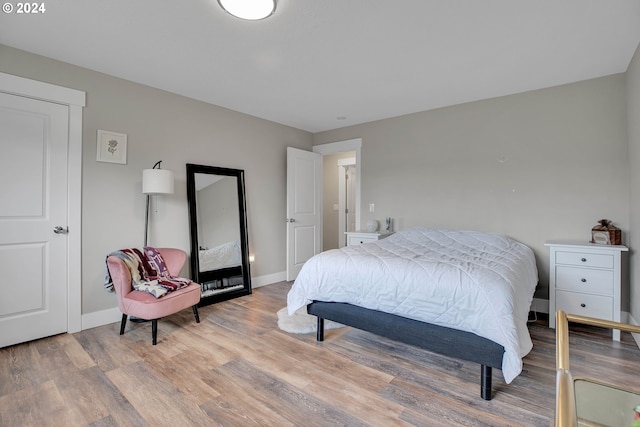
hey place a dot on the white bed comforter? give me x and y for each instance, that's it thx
(476, 282)
(223, 256)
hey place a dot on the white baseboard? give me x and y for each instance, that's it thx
(256, 282)
(540, 305)
(112, 315)
(100, 318)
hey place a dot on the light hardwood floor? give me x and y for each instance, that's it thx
(236, 368)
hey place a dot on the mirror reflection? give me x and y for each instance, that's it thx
(219, 253)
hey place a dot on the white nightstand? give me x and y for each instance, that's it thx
(360, 237)
(585, 279)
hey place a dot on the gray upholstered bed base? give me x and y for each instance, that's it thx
(438, 339)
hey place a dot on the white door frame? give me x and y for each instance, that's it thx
(340, 147)
(75, 100)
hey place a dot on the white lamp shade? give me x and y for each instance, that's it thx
(157, 181)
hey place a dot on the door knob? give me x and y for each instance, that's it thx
(60, 230)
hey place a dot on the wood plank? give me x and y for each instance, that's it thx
(179, 372)
(156, 399)
(40, 405)
(75, 352)
(20, 368)
(291, 403)
(436, 407)
(312, 360)
(234, 407)
(108, 348)
(91, 393)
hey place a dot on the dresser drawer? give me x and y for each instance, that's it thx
(359, 237)
(584, 259)
(584, 280)
(358, 240)
(596, 306)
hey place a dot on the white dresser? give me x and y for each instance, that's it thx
(360, 237)
(585, 279)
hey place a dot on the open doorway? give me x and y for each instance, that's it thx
(340, 190)
(347, 208)
(338, 198)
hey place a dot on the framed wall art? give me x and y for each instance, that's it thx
(112, 147)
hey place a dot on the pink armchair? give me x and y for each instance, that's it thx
(144, 305)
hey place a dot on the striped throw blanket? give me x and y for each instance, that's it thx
(148, 272)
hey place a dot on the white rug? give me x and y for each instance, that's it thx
(302, 323)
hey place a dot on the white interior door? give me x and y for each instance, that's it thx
(304, 213)
(34, 137)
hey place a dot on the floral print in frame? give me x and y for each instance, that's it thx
(112, 147)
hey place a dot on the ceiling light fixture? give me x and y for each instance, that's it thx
(252, 10)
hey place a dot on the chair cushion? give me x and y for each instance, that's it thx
(146, 306)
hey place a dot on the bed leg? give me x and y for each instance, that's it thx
(320, 331)
(485, 382)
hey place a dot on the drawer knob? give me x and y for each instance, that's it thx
(583, 260)
(583, 305)
(583, 280)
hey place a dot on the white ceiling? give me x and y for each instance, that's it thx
(317, 60)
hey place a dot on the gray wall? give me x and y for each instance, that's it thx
(177, 130)
(540, 165)
(633, 120)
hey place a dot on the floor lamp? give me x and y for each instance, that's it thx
(155, 181)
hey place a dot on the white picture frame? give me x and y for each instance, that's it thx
(112, 147)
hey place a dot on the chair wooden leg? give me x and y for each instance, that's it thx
(154, 331)
(123, 323)
(195, 313)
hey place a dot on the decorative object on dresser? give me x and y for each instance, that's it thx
(605, 233)
(372, 225)
(585, 279)
(219, 236)
(360, 237)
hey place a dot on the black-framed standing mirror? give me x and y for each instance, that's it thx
(218, 228)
